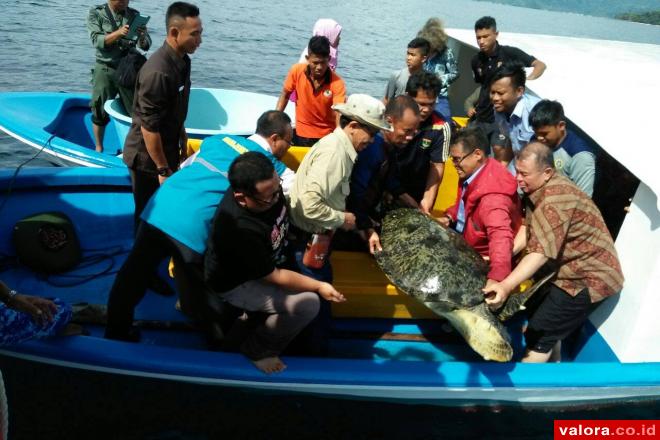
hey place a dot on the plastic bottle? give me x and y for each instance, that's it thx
(317, 250)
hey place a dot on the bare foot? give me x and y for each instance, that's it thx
(270, 365)
(99, 149)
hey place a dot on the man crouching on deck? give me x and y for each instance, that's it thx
(567, 231)
(241, 262)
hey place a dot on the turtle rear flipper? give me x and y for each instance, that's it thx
(516, 301)
(482, 331)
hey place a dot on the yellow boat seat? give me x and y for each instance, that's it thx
(356, 274)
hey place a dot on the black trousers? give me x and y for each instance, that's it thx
(301, 141)
(144, 186)
(151, 247)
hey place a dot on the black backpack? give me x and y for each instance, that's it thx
(128, 68)
(130, 64)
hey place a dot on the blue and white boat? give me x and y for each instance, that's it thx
(59, 124)
(383, 345)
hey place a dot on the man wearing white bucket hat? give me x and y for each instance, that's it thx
(318, 196)
(322, 183)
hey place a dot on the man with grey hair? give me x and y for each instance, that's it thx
(565, 231)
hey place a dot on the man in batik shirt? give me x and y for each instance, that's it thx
(565, 230)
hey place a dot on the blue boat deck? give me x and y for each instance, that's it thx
(428, 340)
(106, 240)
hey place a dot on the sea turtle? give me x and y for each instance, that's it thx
(437, 267)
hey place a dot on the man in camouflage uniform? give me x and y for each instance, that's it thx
(107, 34)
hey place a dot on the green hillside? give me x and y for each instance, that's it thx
(652, 17)
(602, 8)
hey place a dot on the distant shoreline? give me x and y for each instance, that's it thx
(650, 17)
(626, 10)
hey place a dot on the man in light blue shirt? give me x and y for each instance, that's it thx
(512, 106)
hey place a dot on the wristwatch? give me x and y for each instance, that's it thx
(163, 171)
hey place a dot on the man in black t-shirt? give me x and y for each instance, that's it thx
(243, 258)
(485, 63)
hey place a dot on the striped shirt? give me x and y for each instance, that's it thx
(565, 225)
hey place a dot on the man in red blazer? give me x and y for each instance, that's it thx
(487, 210)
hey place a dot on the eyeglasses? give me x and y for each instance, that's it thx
(457, 162)
(273, 198)
(286, 141)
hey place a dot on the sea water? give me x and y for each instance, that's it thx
(250, 44)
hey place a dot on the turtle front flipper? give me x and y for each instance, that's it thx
(481, 330)
(516, 301)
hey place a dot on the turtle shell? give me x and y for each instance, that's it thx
(429, 262)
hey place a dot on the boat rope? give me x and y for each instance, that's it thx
(57, 280)
(18, 169)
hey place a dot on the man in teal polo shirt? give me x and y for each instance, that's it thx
(176, 222)
(107, 25)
